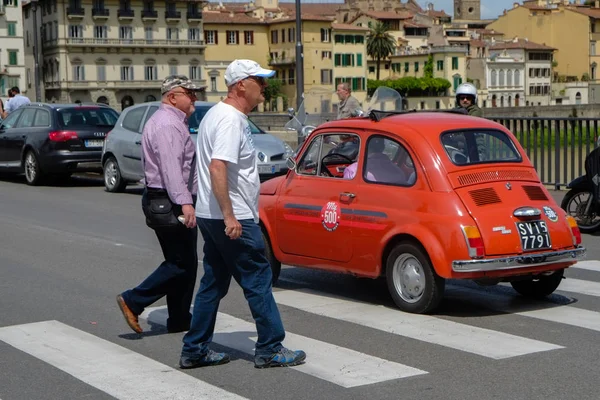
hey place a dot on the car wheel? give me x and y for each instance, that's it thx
(575, 203)
(113, 181)
(412, 282)
(275, 264)
(33, 172)
(539, 287)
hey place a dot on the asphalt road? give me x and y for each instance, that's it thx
(65, 252)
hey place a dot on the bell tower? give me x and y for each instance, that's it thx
(467, 9)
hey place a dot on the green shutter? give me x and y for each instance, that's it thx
(12, 29)
(454, 62)
(12, 57)
(336, 60)
(406, 67)
(416, 66)
(359, 60)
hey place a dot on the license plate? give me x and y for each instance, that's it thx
(534, 235)
(94, 143)
(267, 169)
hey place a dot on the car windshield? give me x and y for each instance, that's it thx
(479, 146)
(87, 116)
(194, 121)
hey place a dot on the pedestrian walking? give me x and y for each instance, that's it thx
(171, 183)
(15, 100)
(227, 215)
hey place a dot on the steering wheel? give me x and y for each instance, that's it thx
(325, 170)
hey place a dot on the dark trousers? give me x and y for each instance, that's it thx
(175, 277)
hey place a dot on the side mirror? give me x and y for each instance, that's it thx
(291, 111)
(357, 113)
(291, 164)
(307, 130)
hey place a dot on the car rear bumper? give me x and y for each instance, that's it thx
(72, 161)
(522, 261)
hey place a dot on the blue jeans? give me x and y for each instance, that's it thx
(175, 277)
(244, 259)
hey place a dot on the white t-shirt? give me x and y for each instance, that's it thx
(224, 134)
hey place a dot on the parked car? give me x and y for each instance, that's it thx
(436, 196)
(54, 140)
(121, 156)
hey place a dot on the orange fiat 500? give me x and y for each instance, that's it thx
(418, 198)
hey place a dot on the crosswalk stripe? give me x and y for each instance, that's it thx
(484, 342)
(591, 265)
(580, 286)
(113, 369)
(339, 365)
(542, 310)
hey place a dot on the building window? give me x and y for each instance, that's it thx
(148, 33)
(359, 60)
(292, 34)
(454, 63)
(291, 76)
(194, 34)
(12, 57)
(248, 37)
(283, 36)
(326, 55)
(172, 33)
(125, 32)
(12, 28)
(126, 72)
(78, 72)
(416, 66)
(274, 37)
(100, 32)
(457, 81)
(233, 37)
(440, 65)
(150, 71)
(509, 78)
(517, 78)
(213, 83)
(194, 72)
(592, 48)
(173, 67)
(75, 31)
(326, 76)
(406, 67)
(325, 35)
(101, 73)
(501, 78)
(211, 37)
(494, 78)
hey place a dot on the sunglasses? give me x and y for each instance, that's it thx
(259, 80)
(191, 95)
(464, 98)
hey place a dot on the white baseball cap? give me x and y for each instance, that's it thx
(242, 69)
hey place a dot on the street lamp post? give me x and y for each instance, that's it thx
(299, 58)
(36, 75)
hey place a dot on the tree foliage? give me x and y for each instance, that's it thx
(428, 71)
(380, 44)
(412, 87)
(273, 89)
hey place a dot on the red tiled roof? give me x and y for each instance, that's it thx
(437, 14)
(409, 24)
(477, 43)
(388, 14)
(348, 27)
(520, 44)
(211, 17)
(305, 17)
(590, 12)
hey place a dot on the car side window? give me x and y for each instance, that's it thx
(133, 119)
(11, 120)
(388, 162)
(150, 113)
(42, 118)
(27, 116)
(310, 160)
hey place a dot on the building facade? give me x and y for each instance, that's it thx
(114, 52)
(12, 51)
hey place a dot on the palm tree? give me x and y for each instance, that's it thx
(380, 43)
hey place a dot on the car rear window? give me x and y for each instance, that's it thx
(476, 147)
(194, 121)
(87, 116)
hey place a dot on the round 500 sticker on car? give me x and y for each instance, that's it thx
(331, 215)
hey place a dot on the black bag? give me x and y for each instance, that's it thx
(159, 210)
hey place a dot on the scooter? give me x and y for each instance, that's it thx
(582, 201)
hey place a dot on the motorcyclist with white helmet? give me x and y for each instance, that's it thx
(466, 97)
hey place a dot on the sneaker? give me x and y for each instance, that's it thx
(209, 359)
(283, 358)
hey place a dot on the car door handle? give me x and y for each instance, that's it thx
(138, 142)
(348, 195)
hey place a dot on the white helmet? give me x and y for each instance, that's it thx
(468, 89)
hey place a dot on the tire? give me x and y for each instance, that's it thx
(539, 288)
(113, 180)
(33, 173)
(275, 264)
(576, 211)
(412, 281)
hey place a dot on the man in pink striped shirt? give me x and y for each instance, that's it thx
(169, 166)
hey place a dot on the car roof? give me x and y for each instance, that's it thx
(157, 103)
(58, 106)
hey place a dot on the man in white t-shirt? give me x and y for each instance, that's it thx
(227, 215)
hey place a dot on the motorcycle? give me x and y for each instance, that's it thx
(582, 201)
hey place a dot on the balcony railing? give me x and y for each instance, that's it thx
(192, 15)
(124, 42)
(171, 14)
(100, 13)
(125, 13)
(75, 12)
(282, 61)
(149, 14)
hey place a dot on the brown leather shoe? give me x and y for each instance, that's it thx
(130, 317)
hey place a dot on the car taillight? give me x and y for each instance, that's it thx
(474, 241)
(575, 232)
(62, 136)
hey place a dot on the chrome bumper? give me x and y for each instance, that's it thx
(522, 261)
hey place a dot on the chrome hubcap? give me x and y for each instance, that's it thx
(110, 174)
(409, 278)
(30, 167)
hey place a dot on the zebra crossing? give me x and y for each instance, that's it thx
(126, 374)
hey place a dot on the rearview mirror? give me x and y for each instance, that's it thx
(291, 164)
(291, 111)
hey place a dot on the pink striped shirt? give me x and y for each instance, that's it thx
(168, 151)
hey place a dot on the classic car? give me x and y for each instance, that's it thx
(423, 198)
